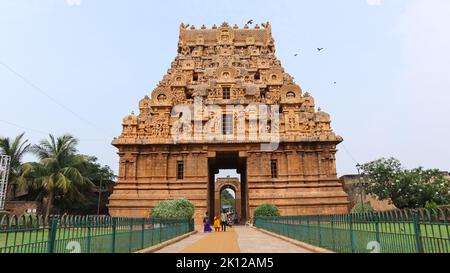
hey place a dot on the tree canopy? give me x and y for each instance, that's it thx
(387, 179)
(227, 198)
(61, 177)
(14, 148)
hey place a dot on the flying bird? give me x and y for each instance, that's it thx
(250, 22)
(295, 54)
(319, 49)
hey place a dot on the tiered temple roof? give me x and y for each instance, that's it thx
(226, 65)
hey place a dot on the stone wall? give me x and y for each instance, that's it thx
(20, 207)
(306, 181)
(351, 187)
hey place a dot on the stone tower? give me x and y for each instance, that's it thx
(227, 103)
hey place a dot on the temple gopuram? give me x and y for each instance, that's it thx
(227, 103)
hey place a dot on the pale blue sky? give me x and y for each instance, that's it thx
(390, 60)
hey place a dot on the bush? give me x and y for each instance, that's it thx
(174, 209)
(358, 208)
(266, 210)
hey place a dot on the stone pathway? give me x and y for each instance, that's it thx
(179, 246)
(239, 239)
(215, 242)
(253, 241)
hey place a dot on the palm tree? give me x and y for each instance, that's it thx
(58, 171)
(15, 149)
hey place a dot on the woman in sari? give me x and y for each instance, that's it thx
(216, 223)
(206, 226)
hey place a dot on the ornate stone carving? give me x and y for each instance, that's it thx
(238, 92)
(159, 127)
(179, 96)
(215, 93)
(130, 124)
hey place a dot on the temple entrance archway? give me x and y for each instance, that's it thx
(228, 161)
(223, 184)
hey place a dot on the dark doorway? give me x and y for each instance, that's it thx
(228, 161)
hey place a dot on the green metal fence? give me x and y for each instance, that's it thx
(86, 234)
(406, 231)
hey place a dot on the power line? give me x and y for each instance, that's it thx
(23, 127)
(46, 133)
(349, 154)
(40, 90)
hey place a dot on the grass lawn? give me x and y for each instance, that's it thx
(84, 240)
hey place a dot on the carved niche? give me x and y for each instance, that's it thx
(188, 65)
(162, 96)
(291, 93)
(178, 80)
(225, 35)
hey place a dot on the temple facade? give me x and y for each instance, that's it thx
(227, 103)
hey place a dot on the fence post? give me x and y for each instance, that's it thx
(152, 225)
(289, 222)
(52, 229)
(319, 236)
(143, 233)
(160, 231)
(377, 229)
(114, 226)
(130, 243)
(417, 236)
(89, 235)
(308, 231)
(352, 237)
(173, 229)
(333, 234)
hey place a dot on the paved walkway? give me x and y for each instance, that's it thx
(238, 239)
(253, 241)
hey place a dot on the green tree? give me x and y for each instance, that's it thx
(58, 171)
(387, 179)
(227, 198)
(15, 148)
(87, 201)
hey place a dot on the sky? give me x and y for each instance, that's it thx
(80, 66)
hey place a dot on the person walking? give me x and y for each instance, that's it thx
(223, 220)
(216, 223)
(230, 219)
(206, 226)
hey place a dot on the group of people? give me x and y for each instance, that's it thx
(220, 222)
